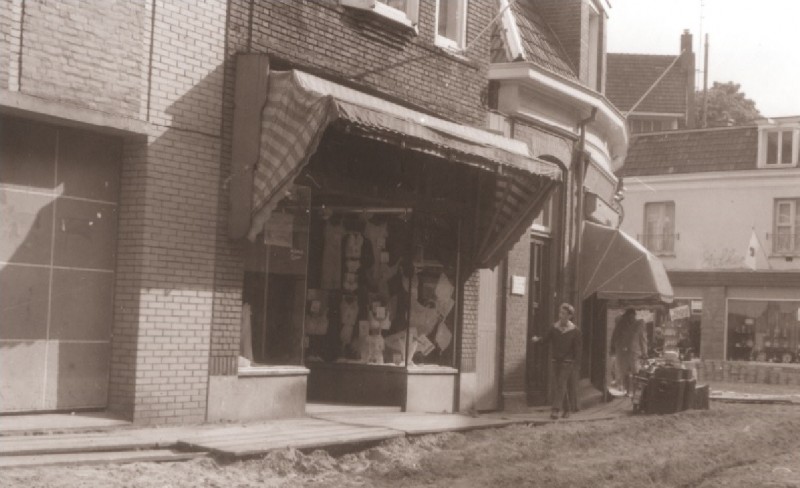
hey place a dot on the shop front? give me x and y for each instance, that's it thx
(366, 220)
(617, 273)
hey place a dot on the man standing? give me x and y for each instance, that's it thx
(628, 344)
(565, 346)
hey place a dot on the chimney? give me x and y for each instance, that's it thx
(687, 62)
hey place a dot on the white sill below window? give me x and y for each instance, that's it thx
(448, 44)
(263, 370)
(389, 13)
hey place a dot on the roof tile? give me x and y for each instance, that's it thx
(692, 151)
(629, 76)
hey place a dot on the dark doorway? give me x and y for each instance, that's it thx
(540, 316)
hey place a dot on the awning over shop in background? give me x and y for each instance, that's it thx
(299, 107)
(616, 266)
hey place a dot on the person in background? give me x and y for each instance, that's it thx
(628, 344)
(565, 342)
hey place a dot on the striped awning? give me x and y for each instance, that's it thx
(301, 106)
(615, 266)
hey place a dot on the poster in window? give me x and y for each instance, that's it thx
(278, 230)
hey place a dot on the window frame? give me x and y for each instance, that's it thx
(408, 18)
(793, 224)
(763, 146)
(646, 236)
(594, 58)
(445, 42)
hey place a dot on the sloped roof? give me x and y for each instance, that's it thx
(692, 151)
(539, 42)
(629, 76)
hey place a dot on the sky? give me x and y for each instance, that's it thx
(751, 42)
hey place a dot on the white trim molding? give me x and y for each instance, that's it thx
(570, 99)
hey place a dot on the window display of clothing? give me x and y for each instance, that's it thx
(332, 256)
(376, 234)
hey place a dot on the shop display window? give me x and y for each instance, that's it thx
(681, 327)
(274, 290)
(766, 331)
(382, 287)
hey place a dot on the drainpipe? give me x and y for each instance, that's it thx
(580, 176)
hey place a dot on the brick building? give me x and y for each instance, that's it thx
(137, 161)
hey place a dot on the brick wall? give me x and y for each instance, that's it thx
(360, 49)
(173, 206)
(712, 344)
(79, 53)
(10, 43)
(229, 273)
(469, 323)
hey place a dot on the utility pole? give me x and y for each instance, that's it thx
(705, 85)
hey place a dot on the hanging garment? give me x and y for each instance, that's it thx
(350, 282)
(332, 256)
(316, 324)
(352, 245)
(348, 310)
(376, 234)
(424, 317)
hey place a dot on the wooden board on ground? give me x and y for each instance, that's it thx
(298, 434)
(84, 458)
(126, 439)
(419, 423)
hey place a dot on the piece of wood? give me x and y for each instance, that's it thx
(84, 458)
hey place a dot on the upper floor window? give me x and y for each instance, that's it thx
(594, 55)
(659, 227)
(543, 221)
(638, 125)
(787, 227)
(404, 12)
(451, 24)
(778, 148)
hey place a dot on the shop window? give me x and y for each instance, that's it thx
(659, 228)
(681, 327)
(274, 290)
(403, 12)
(382, 287)
(451, 24)
(778, 148)
(764, 330)
(786, 240)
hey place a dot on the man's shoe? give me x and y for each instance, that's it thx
(566, 414)
(554, 415)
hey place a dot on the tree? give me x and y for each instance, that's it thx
(726, 106)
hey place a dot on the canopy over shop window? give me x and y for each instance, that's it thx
(299, 107)
(615, 266)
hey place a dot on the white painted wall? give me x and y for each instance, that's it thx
(715, 214)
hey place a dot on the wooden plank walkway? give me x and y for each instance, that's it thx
(412, 423)
(302, 433)
(86, 458)
(125, 439)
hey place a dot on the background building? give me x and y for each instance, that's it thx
(718, 207)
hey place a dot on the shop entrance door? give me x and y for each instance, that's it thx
(539, 318)
(488, 372)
